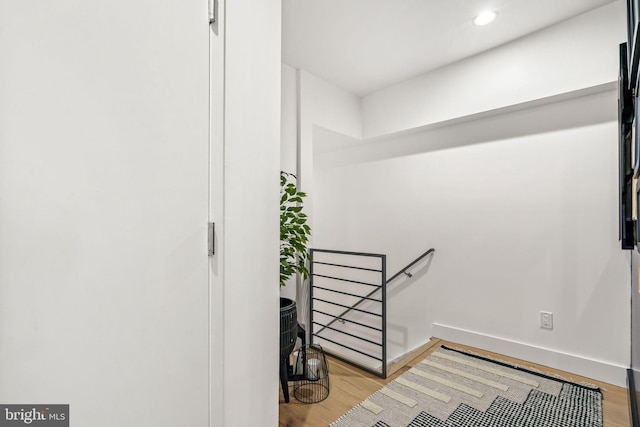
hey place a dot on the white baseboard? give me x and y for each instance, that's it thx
(590, 368)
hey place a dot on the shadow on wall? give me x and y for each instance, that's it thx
(554, 114)
(405, 281)
(397, 335)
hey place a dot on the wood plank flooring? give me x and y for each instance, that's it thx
(350, 386)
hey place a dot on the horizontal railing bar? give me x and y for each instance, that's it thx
(347, 333)
(347, 306)
(411, 264)
(348, 266)
(347, 320)
(347, 293)
(329, 251)
(386, 282)
(346, 346)
(346, 280)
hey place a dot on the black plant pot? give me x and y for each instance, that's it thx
(288, 335)
(288, 327)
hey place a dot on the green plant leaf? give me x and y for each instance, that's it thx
(294, 230)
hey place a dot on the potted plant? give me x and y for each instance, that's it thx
(294, 236)
(294, 231)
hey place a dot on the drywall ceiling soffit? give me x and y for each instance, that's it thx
(579, 108)
(363, 46)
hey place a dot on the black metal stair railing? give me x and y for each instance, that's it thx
(341, 291)
(395, 276)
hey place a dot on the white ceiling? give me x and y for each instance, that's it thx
(366, 45)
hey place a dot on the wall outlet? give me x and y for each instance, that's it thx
(546, 320)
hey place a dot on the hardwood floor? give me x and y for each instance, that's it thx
(350, 386)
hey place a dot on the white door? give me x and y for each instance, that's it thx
(104, 208)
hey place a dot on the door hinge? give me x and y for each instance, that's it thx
(211, 234)
(213, 8)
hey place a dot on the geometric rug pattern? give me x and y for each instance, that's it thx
(452, 388)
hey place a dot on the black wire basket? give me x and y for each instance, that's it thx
(311, 374)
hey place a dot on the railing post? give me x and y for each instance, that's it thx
(384, 316)
(310, 327)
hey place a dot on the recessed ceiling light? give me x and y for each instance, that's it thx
(485, 17)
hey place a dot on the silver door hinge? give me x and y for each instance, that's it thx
(213, 6)
(211, 234)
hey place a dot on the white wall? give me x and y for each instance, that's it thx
(506, 164)
(289, 143)
(316, 103)
(246, 211)
(578, 53)
(322, 104)
(289, 120)
(520, 223)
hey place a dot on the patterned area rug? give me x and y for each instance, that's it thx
(451, 388)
